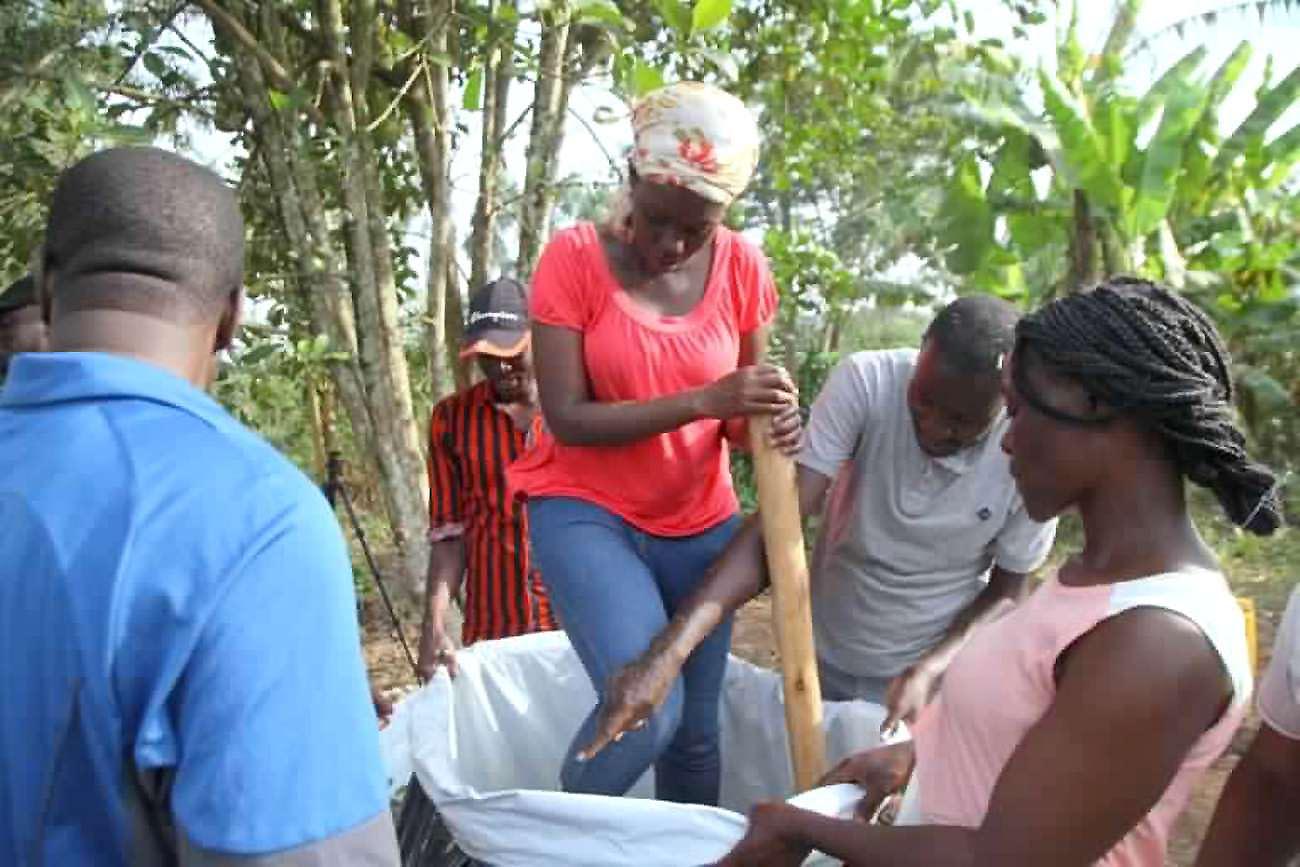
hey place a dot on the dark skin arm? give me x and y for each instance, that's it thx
(1082, 777)
(576, 418)
(1255, 824)
(446, 572)
(912, 690)
(736, 577)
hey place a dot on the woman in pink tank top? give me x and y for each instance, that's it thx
(1071, 730)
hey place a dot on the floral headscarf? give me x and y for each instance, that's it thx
(698, 137)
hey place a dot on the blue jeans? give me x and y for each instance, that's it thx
(615, 587)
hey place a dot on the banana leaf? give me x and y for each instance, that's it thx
(1282, 154)
(1114, 119)
(1271, 106)
(1198, 153)
(1164, 158)
(1156, 96)
(1121, 30)
(1082, 150)
(967, 219)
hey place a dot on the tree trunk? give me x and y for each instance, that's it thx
(454, 324)
(311, 392)
(374, 290)
(1083, 246)
(549, 106)
(430, 117)
(498, 70)
(318, 269)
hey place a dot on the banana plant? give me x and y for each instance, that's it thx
(1126, 171)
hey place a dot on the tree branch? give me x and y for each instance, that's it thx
(146, 44)
(231, 26)
(124, 90)
(613, 163)
(401, 94)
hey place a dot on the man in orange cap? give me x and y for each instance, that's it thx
(479, 534)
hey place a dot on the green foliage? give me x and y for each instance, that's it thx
(1248, 139)
(1151, 178)
(54, 110)
(902, 161)
(473, 98)
(1163, 158)
(675, 14)
(1246, 276)
(1141, 190)
(645, 78)
(967, 218)
(709, 14)
(1082, 163)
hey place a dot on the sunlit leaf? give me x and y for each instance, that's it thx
(78, 96)
(1271, 106)
(709, 14)
(1164, 157)
(967, 219)
(645, 78)
(473, 96)
(1081, 146)
(601, 12)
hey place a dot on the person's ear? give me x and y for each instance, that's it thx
(232, 317)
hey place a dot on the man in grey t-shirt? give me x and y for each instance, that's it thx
(924, 533)
(925, 536)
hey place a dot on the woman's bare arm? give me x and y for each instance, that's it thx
(575, 418)
(1134, 696)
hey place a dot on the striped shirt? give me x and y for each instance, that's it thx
(471, 442)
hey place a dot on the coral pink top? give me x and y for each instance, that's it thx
(676, 483)
(1002, 682)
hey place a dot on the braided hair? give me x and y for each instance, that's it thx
(1149, 353)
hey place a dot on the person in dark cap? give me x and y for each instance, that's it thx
(478, 533)
(21, 327)
(177, 613)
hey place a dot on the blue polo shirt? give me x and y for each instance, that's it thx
(181, 660)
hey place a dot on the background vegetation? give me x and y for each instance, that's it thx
(392, 153)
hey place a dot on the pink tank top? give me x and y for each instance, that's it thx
(1003, 682)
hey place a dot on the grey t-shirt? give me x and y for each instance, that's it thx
(1279, 690)
(907, 540)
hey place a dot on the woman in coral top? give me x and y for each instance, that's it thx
(1071, 730)
(646, 333)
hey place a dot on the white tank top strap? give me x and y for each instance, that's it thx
(1204, 598)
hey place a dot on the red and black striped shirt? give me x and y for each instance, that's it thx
(471, 442)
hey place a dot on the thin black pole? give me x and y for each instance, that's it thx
(334, 488)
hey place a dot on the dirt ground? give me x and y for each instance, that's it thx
(752, 640)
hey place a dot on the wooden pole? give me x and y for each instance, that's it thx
(778, 504)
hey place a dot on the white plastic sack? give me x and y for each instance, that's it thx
(487, 749)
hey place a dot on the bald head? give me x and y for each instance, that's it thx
(144, 231)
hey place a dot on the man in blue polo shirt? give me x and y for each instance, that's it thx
(182, 675)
